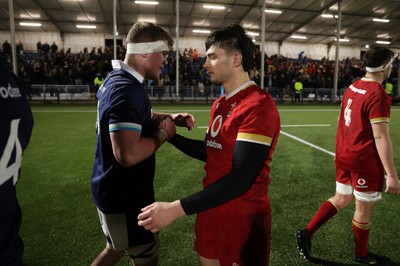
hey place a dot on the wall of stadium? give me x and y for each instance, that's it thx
(77, 42)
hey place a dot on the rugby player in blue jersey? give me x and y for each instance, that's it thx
(16, 123)
(128, 134)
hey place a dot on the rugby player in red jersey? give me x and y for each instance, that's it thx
(233, 224)
(363, 155)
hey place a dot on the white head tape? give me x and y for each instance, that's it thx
(146, 47)
(379, 68)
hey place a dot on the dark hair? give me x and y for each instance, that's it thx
(148, 32)
(377, 56)
(234, 38)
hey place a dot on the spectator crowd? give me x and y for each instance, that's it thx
(51, 65)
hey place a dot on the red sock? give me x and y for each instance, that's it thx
(325, 212)
(361, 236)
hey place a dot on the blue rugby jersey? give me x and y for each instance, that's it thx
(123, 104)
(16, 123)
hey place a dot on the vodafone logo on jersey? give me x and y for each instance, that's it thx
(216, 126)
(9, 92)
(361, 183)
(214, 130)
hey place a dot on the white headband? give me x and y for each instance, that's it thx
(379, 68)
(146, 47)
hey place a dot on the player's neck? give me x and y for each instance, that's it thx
(238, 80)
(378, 77)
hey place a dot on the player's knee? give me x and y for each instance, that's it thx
(144, 255)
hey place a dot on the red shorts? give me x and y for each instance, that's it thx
(234, 238)
(372, 178)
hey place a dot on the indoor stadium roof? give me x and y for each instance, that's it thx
(297, 17)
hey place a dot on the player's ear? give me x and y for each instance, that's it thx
(237, 59)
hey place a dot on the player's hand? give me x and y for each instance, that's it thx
(158, 215)
(184, 120)
(156, 123)
(392, 185)
(169, 126)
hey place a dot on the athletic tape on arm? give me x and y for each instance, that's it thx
(146, 47)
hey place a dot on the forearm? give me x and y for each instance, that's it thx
(193, 148)
(385, 151)
(128, 154)
(145, 148)
(158, 215)
(246, 164)
(176, 210)
(216, 194)
(180, 119)
(160, 115)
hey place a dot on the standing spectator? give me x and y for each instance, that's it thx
(195, 56)
(6, 48)
(16, 124)
(171, 55)
(93, 54)
(191, 55)
(233, 223)
(98, 80)
(77, 74)
(389, 88)
(298, 87)
(128, 134)
(68, 52)
(300, 57)
(363, 155)
(53, 50)
(19, 48)
(280, 83)
(100, 52)
(39, 47)
(185, 55)
(45, 48)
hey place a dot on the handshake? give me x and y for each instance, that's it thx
(165, 125)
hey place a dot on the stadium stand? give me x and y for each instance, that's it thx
(65, 76)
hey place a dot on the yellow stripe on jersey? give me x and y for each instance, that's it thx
(255, 138)
(379, 120)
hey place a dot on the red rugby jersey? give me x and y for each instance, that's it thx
(248, 114)
(364, 102)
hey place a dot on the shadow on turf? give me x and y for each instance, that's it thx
(319, 261)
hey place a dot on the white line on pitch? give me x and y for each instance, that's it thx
(310, 125)
(63, 111)
(308, 143)
(302, 141)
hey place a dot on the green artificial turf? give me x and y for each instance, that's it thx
(60, 224)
